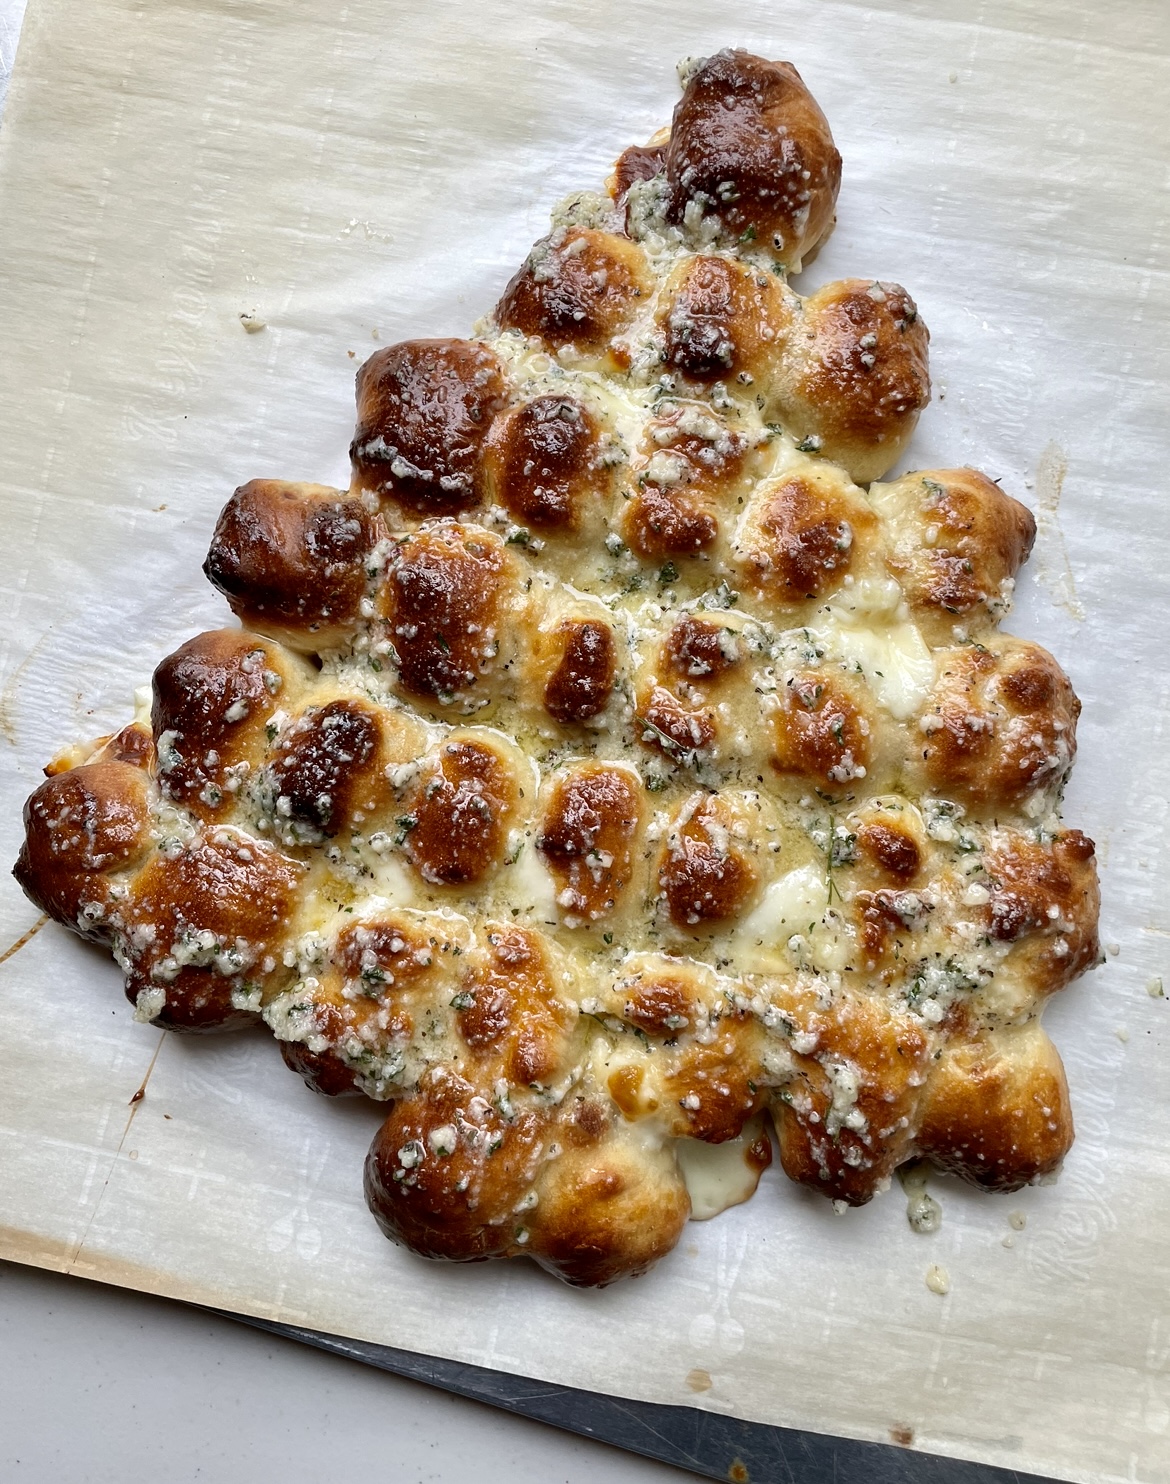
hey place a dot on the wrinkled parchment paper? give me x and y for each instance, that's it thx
(354, 174)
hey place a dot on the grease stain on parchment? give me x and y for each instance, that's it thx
(9, 693)
(1053, 569)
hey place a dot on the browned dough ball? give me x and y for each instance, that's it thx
(424, 410)
(749, 146)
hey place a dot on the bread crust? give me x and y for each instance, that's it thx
(749, 145)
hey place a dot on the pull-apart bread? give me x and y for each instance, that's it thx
(616, 765)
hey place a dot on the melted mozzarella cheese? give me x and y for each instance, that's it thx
(719, 1175)
(893, 658)
(790, 905)
(530, 885)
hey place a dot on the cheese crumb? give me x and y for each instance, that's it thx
(938, 1279)
(149, 1003)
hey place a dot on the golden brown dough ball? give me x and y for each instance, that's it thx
(397, 958)
(956, 542)
(293, 560)
(996, 1109)
(460, 810)
(749, 147)
(710, 1088)
(845, 1123)
(663, 1001)
(544, 458)
(133, 744)
(328, 767)
(214, 698)
(701, 651)
(685, 734)
(999, 724)
(321, 1071)
(591, 820)
(636, 162)
(668, 521)
(701, 1075)
(424, 411)
(804, 531)
(450, 1172)
(1043, 897)
(511, 1014)
(823, 730)
(608, 1208)
(690, 468)
(82, 827)
(854, 377)
(385, 977)
(881, 855)
(886, 921)
(448, 1169)
(578, 290)
(445, 595)
(706, 873)
(583, 665)
(723, 320)
(200, 912)
(890, 844)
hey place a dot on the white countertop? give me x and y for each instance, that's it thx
(101, 1385)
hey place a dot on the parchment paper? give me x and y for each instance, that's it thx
(360, 172)
(11, 14)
